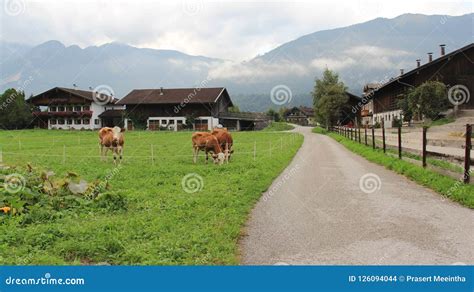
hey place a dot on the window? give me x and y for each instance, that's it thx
(96, 121)
(52, 122)
(61, 121)
(153, 125)
(60, 108)
(52, 108)
(86, 108)
(180, 122)
(86, 121)
(163, 122)
(77, 121)
(171, 122)
(77, 108)
(70, 108)
(69, 121)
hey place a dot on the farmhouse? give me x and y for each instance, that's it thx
(455, 68)
(177, 108)
(66, 108)
(302, 115)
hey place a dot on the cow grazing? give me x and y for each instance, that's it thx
(207, 142)
(225, 141)
(113, 139)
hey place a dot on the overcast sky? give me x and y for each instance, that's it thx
(234, 30)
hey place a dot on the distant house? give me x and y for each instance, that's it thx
(66, 108)
(455, 68)
(367, 109)
(173, 108)
(302, 115)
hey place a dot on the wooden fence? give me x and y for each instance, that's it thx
(355, 134)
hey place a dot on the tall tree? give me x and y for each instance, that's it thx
(428, 100)
(15, 112)
(329, 97)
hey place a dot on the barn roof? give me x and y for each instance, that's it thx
(400, 79)
(88, 95)
(112, 114)
(174, 95)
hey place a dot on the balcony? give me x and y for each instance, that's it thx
(63, 114)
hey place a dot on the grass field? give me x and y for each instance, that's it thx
(279, 126)
(161, 224)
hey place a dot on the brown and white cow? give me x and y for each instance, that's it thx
(113, 139)
(207, 142)
(225, 141)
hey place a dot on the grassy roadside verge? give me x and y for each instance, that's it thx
(446, 186)
(279, 126)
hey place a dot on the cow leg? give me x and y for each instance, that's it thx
(101, 148)
(114, 151)
(207, 156)
(121, 153)
(227, 153)
(195, 154)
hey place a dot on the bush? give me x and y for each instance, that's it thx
(111, 201)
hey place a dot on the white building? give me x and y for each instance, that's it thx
(65, 108)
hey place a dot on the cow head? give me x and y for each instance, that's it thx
(116, 134)
(218, 158)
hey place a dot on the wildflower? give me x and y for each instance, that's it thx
(5, 209)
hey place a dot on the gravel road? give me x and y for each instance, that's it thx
(317, 212)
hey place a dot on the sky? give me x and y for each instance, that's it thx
(232, 30)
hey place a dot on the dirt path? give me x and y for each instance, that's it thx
(315, 212)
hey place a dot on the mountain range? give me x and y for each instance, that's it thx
(373, 51)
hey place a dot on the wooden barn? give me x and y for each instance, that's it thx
(66, 108)
(177, 108)
(455, 68)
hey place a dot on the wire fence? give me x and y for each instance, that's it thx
(150, 150)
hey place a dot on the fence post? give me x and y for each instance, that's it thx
(365, 135)
(399, 142)
(373, 137)
(152, 155)
(423, 149)
(467, 155)
(350, 131)
(254, 150)
(383, 137)
(358, 128)
(64, 153)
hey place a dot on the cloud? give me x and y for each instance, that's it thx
(333, 64)
(365, 56)
(255, 71)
